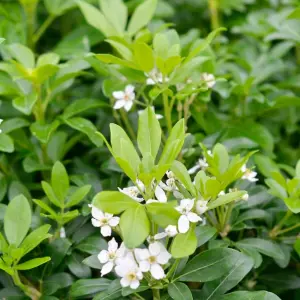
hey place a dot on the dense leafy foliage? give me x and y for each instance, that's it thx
(149, 149)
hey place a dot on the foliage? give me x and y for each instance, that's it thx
(149, 149)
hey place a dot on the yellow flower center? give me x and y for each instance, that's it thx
(131, 276)
(152, 259)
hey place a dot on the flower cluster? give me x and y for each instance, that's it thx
(131, 264)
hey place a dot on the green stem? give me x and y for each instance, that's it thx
(28, 290)
(214, 14)
(173, 268)
(138, 296)
(156, 294)
(30, 12)
(275, 231)
(129, 128)
(43, 28)
(288, 229)
(167, 112)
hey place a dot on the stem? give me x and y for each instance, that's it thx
(127, 124)
(288, 229)
(30, 12)
(214, 14)
(298, 54)
(30, 291)
(275, 231)
(167, 112)
(156, 294)
(138, 296)
(173, 268)
(43, 28)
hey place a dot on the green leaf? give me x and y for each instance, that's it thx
(33, 263)
(143, 56)
(221, 157)
(86, 287)
(149, 133)
(265, 247)
(6, 143)
(43, 132)
(96, 19)
(76, 266)
(179, 291)
(22, 54)
(213, 289)
(142, 16)
(13, 124)
(78, 195)
(59, 7)
(182, 174)
(210, 265)
(25, 103)
(173, 144)
(80, 106)
(3, 186)
(261, 295)
(43, 73)
(204, 44)
(111, 59)
(184, 244)
(265, 165)
(136, 218)
(35, 238)
(92, 245)
(163, 214)
(60, 181)
(225, 199)
(297, 246)
(116, 13)
(87, 127)
(114, 202)
(48, 58)
(123, 147)
(50, 194)
(298, 169)
(17, 220)
(204, 233)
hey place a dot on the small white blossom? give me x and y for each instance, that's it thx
(209, 79)
(249, 174)
(200, 165)
(222, 193)
(169, 231)
(187, 216)
(158, 116)
(201, 207)
(62, 232)
(124, 98)
(155, 76)
(110, 257)
(151, 259)
(159, 195)
(104, 220)
(245, 197)
(132, 192)
(130, 273)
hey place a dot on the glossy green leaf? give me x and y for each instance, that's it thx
(86, 287)
(17, 220)
(225, 199)
(78, 195)
(60, 181)
(261, 295)
(184, 244)
(136, 218)
(179, 291)
(6, 143)
(33, 263)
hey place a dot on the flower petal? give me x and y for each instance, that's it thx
(160, 235)
(106, 230)
(96, 223)
(119, 104)
(163, 257)
(107, 268)
(194, 169)
(114, 221)
(154, 248)
(128, 105)
(144, 266)
(97, 213)
(103, 256)
(157, 271)
(134, 284)
(129, 89)
(118, 95)
(160, 194)
(112, 245)
(125, 282)
(193, 217)
(183, 224)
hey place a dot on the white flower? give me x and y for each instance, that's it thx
(222, 193)
(209, 79)
(201, 164)
(170, 184)
(124, 98)
(169, 231)
(151, 259)
(109, 257)
(131, 274)
(158, 116)
(104, 220)
(155, 76)
(62, 233)
(201, 207)
(245, 197)
(249, 174)
(132, 192)
(185, 207)
(159, 194)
